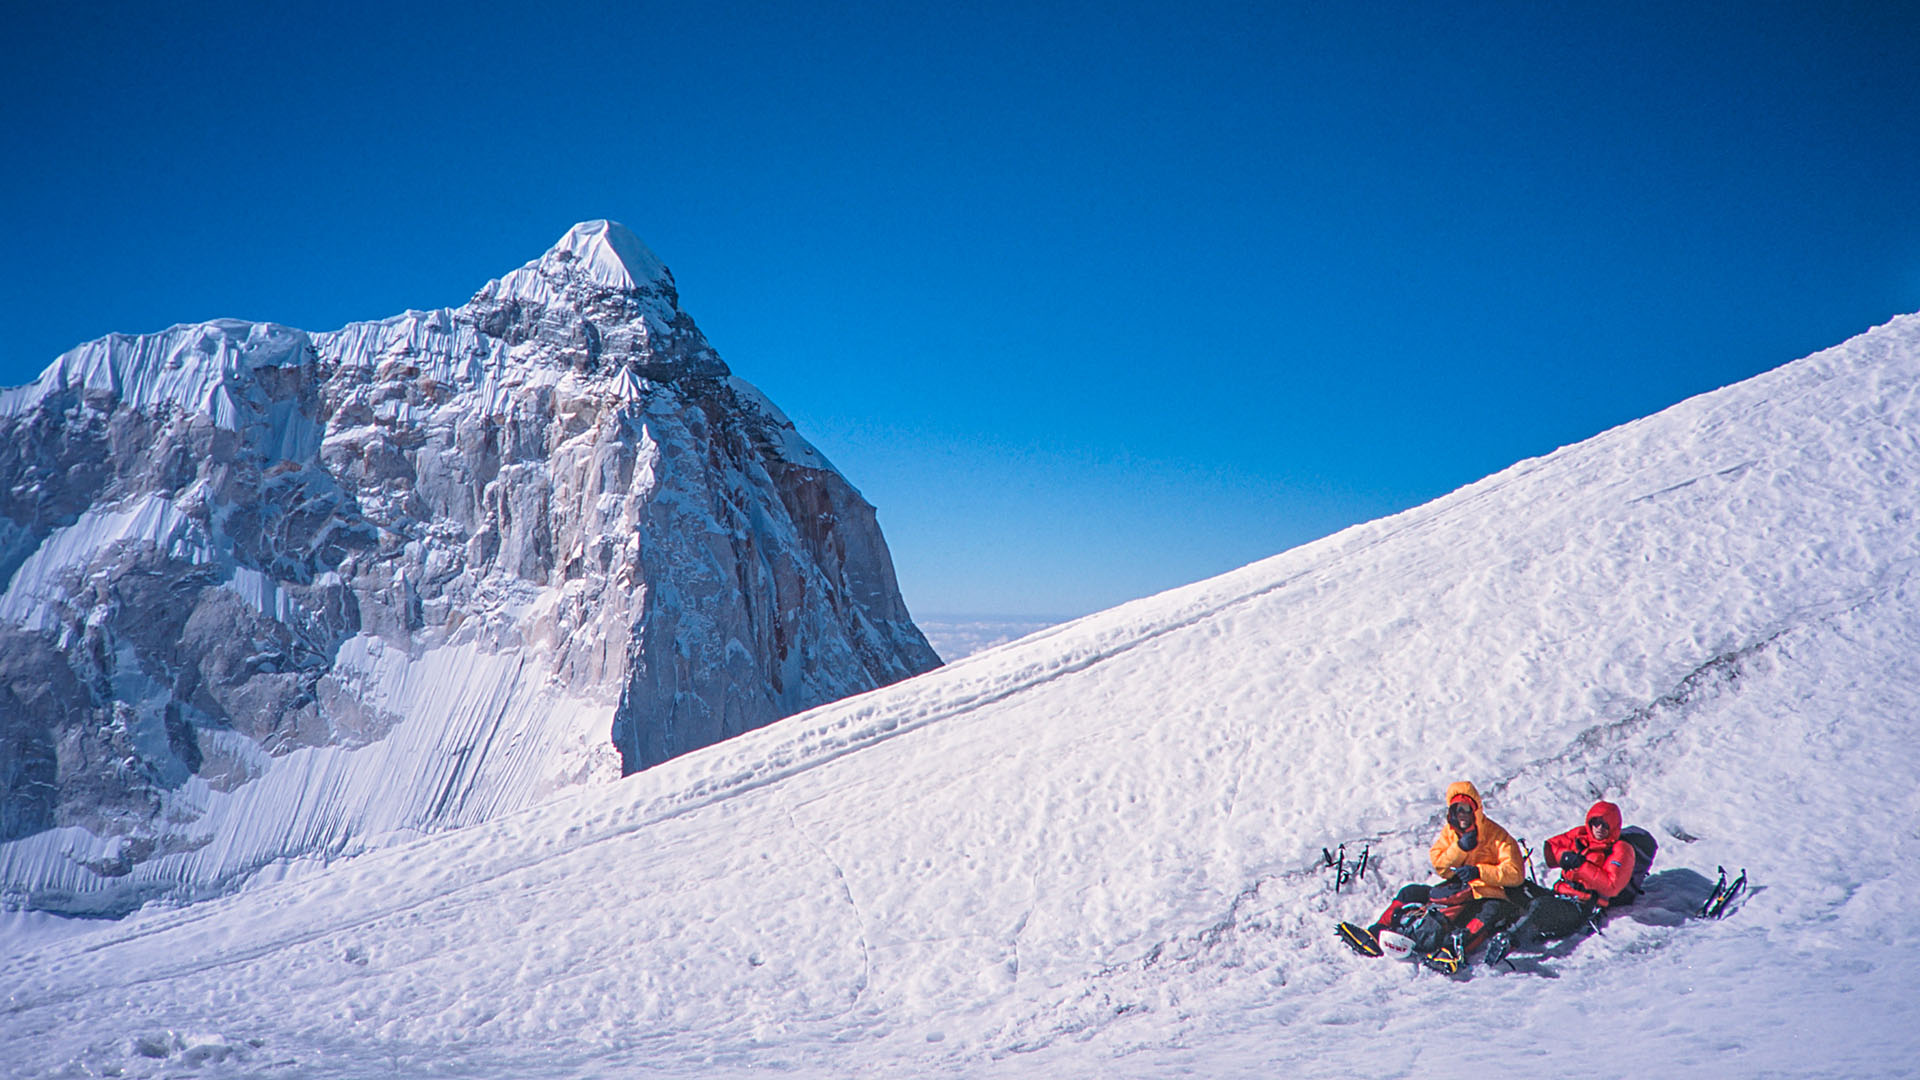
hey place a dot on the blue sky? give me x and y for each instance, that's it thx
(1089, 300)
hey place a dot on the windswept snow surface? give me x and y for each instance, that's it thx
(1095, 852)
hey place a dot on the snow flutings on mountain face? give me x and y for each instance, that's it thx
(271, 594)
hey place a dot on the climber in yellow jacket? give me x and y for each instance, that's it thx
(1478, 861)
(1473, 848)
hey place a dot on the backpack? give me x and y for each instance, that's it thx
(1645, 847)
(1427, 923)
(1423, 926)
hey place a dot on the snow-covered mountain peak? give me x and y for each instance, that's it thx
(453, 561)
(597, 292)
(610, 254)
(601, 255)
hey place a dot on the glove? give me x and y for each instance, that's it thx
(1571, 858)
(1468, 839)
(1466, 873)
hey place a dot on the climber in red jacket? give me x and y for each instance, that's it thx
(1595, 865)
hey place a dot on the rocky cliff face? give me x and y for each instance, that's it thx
(272, 595)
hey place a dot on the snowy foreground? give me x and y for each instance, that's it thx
(1094, 852)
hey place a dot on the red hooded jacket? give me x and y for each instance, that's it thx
(1605, 866)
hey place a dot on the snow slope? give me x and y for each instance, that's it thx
(1095, 852)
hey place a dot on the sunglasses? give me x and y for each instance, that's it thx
(1599, 826)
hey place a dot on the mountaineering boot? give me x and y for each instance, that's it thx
(1445, 961)
(1361, 939)
(1498, 944)
(1451, 956)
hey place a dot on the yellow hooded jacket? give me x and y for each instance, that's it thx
(1494, 851)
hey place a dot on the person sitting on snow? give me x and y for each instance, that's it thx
(1479, 861)
(1595, 863)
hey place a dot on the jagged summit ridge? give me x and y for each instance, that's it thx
(203, 367)
(597, 301)
(266, 593)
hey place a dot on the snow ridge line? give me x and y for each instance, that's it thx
(812, 749)
(1733, 472)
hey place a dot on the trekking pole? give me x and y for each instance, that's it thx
(1723, 894)
(1336, 863)
(1708, 906)
(1364, 853)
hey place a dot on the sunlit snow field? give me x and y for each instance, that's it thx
(1096, 851)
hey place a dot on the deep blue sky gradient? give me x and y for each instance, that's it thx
(1089, 300)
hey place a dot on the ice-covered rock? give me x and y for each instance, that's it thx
(271, 594)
